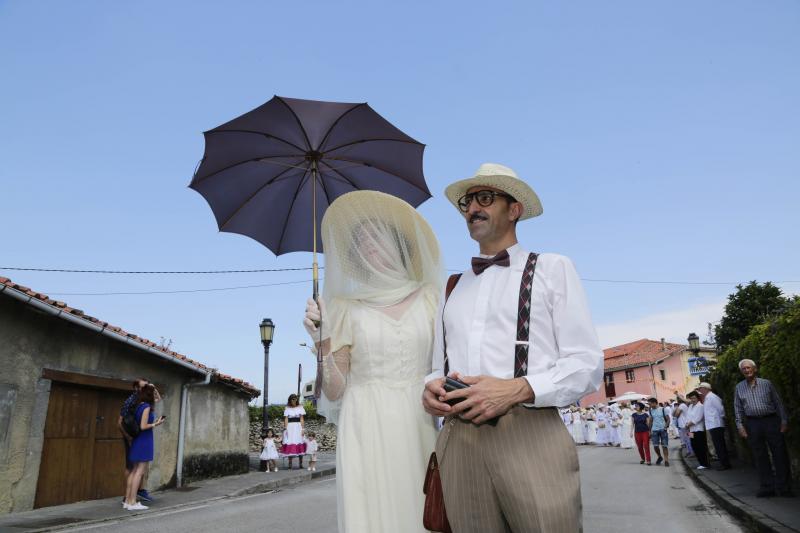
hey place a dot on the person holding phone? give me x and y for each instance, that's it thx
(141, 448)
(516, 328)
(129, 406)
(382, 283)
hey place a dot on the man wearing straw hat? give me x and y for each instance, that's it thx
(516, 329)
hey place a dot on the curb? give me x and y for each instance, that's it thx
(259, 488)
(274, 485)
(753, 519)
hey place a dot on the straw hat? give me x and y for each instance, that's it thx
(502, 178)
(704, 385)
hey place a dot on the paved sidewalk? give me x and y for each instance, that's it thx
(735, 491)
(98, 511)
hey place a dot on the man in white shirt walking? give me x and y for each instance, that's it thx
(714, 416)
(507, 461)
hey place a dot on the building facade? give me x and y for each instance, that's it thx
(655, 368)
(63, 378)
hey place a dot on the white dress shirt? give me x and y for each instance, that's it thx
(713, 411)
(565, 361)
(683, 412)
(695, 420)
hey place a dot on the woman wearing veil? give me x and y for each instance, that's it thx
(382, 285)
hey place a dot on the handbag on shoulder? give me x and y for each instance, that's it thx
(434, 516)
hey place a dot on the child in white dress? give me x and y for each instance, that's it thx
(577, 426)
(311, 451)
(269, 454)
(591, 427)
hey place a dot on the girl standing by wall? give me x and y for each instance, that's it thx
(293, 421)
(269, 454)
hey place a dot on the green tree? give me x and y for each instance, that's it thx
(750, 305)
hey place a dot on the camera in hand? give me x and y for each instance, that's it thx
(451, 384)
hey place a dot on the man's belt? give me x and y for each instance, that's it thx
(762, 416)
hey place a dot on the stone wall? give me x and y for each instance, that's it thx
(326, 434)
(216, 433)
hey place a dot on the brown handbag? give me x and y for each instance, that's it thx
(434, 517)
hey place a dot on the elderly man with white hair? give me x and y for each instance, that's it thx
(762, 420)
(714, 415)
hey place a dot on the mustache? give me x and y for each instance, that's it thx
(476, 216)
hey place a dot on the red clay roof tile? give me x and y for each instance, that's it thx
(638, 353)
(222, 378)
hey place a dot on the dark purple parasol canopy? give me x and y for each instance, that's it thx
(271, 173)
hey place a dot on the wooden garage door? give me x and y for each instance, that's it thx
(83, 453)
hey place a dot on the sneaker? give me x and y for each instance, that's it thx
(314, 469)
(660, 460)
(309, 469)
(145, 496)
(641, 462)
(137, 507)
(649, 463)
(666, 463)
(701, 467)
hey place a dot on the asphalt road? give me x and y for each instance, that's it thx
(619, 496)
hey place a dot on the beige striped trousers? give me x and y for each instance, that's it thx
(521, 475)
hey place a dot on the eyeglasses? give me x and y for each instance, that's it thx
(485, 198)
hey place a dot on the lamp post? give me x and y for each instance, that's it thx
(267, 333)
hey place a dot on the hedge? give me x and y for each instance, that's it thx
(276, 411)
(775, 347)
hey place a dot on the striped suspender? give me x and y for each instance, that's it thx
(523, 318)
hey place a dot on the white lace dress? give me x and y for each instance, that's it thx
(625, 430)
(384, 436)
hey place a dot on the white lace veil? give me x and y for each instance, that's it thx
(378, 250)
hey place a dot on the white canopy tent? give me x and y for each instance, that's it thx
(629, 397)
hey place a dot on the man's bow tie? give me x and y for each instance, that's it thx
(479, 264)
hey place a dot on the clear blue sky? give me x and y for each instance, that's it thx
(662, 138)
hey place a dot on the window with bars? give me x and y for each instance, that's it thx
(663, 374)
(629, 376)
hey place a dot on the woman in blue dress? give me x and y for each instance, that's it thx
(141, 450)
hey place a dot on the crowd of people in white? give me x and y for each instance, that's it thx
(685, 419)
(600, 424)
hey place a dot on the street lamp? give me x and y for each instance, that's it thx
(694, 343)
(267, 333)
(700, 363)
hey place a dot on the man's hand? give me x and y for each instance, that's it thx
(784, 427)
(433, 396)
(743, 432)
(488, 397)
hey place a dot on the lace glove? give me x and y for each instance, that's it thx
(335, 368)
(315, 314)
